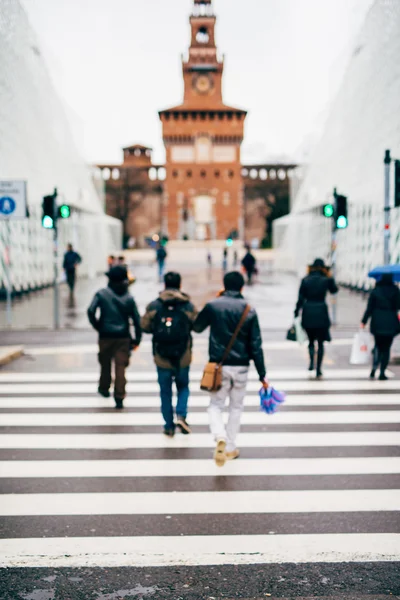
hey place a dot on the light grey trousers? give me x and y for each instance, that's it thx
(234, 382)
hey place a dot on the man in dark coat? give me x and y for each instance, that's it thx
(315, 314)
(223, 315)
(71, 261)
(383, 308)
(117, 309)
(169, 319)
(249, 264)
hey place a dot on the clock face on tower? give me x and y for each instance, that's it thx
(203, 84)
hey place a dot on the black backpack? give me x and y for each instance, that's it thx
(171, 331)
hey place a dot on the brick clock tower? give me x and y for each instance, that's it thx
(204, 188)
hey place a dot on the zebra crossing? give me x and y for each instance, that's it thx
(84, 485)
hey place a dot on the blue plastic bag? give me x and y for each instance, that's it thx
(271, 399)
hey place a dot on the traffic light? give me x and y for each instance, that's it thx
(397, 183)
(341, 212)
(328, 210)
(48, 207)
(229, 242)
(64, 211)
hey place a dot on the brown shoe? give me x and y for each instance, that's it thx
(232, 455)
(219, 453)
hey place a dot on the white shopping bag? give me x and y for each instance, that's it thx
(362, 348)
(301, 336)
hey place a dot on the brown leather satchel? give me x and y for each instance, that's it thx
(212, 376)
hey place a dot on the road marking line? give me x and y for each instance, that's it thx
(199, 468)
(195, 376)
(203, 401)
(199, 440)
(118, 419)
(152, 387)
(198, 550)
(181, 503)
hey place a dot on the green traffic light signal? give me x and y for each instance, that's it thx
(328, 211)
(229, 242)
(48, 222)
(65, 211)
(342, 222)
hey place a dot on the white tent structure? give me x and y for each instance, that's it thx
(364, 122)
(36, 145)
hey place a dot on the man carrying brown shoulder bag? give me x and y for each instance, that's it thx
(235, 340)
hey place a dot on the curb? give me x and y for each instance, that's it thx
(10, 353)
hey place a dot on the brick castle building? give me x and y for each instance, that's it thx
(203, 191)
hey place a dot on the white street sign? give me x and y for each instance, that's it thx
(13, 202)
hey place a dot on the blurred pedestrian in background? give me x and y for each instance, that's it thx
(225, 260)
(249, 264)
(315, 314)
(111, 261)
(383, 308)
(235, 258)
(209, 259)
(161, 257)
(111, 314)
(71, 261)
(169, 319)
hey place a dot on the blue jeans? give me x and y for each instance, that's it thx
(166, 377)
(161, 268)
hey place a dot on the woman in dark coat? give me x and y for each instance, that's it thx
(383, 308)
(315, 314)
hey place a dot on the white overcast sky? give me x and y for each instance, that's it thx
(115, 63)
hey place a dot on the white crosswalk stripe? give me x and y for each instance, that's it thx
(331, 450)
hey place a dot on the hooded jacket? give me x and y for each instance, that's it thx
(117, 310)
(383, 307)
(148, 322)
(222, 315)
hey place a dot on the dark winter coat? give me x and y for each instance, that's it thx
(383, 307)
(249, 262)
(148, 321)
(223, 315)
(312, 300)
(117, 310)
(71, 260)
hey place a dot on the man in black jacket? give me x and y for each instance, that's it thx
(117, 309)
(222, 315)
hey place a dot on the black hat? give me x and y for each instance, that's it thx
(319, 264)
(117, 274)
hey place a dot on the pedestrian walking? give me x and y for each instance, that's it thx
(225, 260)
(235, 258)
(383, 308)
(209, 259)
(71, 260)
(169, 319)
(315, 314)
(111, 313)
(111, 261)
(249, 263)
(161, 257)
(226, 315)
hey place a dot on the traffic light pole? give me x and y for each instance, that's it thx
(334, 260)
(55, 258)
(386, 252)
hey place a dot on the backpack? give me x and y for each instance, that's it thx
(171, 331)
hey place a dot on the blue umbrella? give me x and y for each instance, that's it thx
(379, 271)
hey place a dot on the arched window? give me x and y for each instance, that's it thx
(202, 36)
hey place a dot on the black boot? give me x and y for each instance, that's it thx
(375, 362)
(385, 357)
(311, 350)
(320, 358)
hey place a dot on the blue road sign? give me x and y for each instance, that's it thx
(7, 205)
